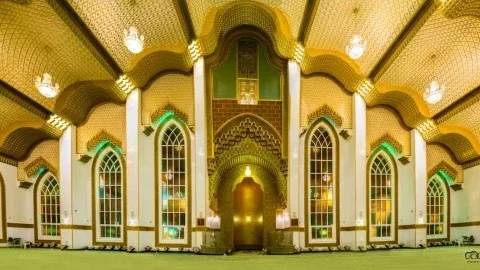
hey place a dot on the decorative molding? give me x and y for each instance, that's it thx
(24, 184)
(23, 100)
(444, 167)
(147, 130)
(84, 158)
(8, 160)
(185, 19)
(388, 139)
(20, 225)
(456, 187)
(345, 133)
(39, 163)
(325, 110)
(404, 160)
(307, 19)
(103, 135)
(458, 106)
(169, 108)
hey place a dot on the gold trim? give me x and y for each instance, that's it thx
(169, 107)
(412, 226)
(353, 228)
(141, 228)
(392, 160)
(20, 225)
(4, 210)
(388, 139)
(103, 135)
(184, 128)
(38, 163)
(94, 197)
(313, 126)
(325, 110)
(75, 227)
(465, 224)
(445, 167)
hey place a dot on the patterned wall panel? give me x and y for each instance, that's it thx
(34, 40)
(109, 117)
(293, 11)
(176, 89)
(316, 92)
(157, 20)
(48, 150)
(436, 154)
(381, 121)
(456, 46)
(12, 112)
(378, 21)
(469, 118)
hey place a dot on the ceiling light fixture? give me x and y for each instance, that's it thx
(434, 92)
(132, 40)
(46, 87)
(357, 45)
(248, 172)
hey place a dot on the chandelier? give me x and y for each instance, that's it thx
(357, 47)
(132, 40)
(434, 92)
(46, 87)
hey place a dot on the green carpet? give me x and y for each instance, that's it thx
(431, 258)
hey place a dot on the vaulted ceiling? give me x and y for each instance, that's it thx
(80, 43)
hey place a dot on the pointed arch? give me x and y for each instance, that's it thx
(438, 208)
(172, 184)
(322, 192)
(382, 197)
(109, 197)
(3, 209)
(46, 208)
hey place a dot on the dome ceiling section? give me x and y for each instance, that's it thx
(379, 22)
(157, 20)
(35, 40)
(444, 49)
(293, 11)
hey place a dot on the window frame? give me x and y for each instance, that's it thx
(97, 238)
(38, 209)
(161, 130)
(446, 210)
(393, 238)
(335, 177)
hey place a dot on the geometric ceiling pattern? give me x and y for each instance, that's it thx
(80, 43)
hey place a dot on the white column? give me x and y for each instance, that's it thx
(200, 177)
(68, 150)
(293, 141)
(419, 160)
(360, 137)
(133, 113)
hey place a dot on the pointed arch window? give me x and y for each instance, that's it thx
(109, 188)
(173, 185)
(437, 205)
(382, 199)
(48, 208)
(322, 185)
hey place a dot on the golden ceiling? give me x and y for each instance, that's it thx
(80, 43)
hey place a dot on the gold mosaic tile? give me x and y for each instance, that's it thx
(377, 21)
(456, 46)
(469, 118)
(176, 89)
(49, 150)
(109, 117)
(35, 40)
(317, 91)
(11, 112)
(381, 121)
(436, 154)
(157, 20)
